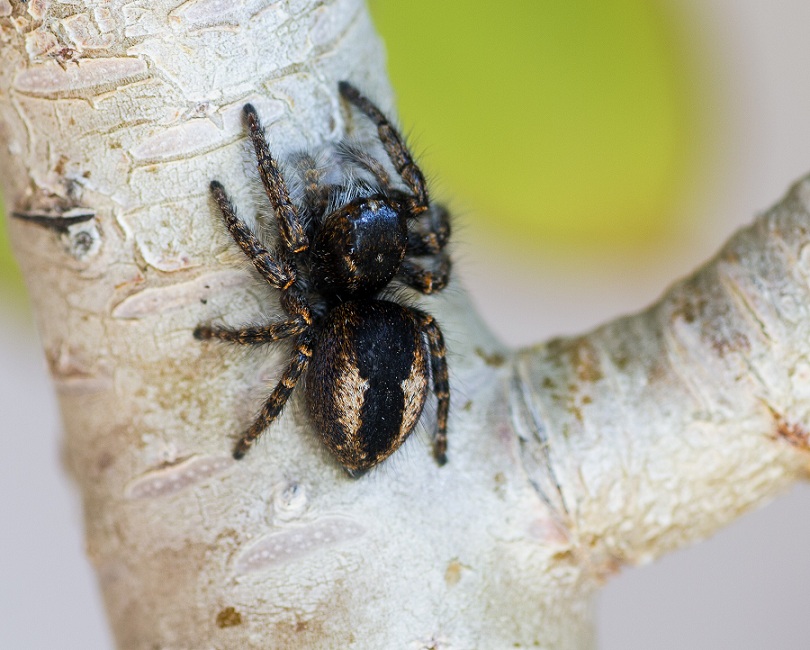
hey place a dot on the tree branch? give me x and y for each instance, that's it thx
(662, 426)
(565, 460)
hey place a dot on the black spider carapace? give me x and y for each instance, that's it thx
(346, 239)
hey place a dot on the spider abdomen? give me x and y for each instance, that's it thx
(367, 380)
(359, 248)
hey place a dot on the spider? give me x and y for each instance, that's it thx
(344, 245)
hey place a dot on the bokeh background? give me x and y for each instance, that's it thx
(594, 153)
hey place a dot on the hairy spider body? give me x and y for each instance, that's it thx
(345, 240)
(367, 381)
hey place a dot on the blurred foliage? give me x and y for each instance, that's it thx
(559, 124)
(11, 284)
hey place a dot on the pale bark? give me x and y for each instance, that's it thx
(566, 460)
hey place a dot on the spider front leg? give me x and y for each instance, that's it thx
(275, 269)
(394, 147)
(289, 223)
(276, 272)
(281, 393)
(441, 384)
(424, 280)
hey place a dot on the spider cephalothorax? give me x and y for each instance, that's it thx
(345, 238)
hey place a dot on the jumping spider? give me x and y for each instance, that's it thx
(343, 247)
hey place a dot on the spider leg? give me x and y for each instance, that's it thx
(424, 280)
(289, 223)
(253, 335)
(430, 238)
(316, 196)
(295, 303)
(369, 163)
(278, 273)
(394, 146)
(441, 385)
(278, 398)
(276, 269)
(281, 274)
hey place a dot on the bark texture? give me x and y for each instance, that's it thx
(566, 460)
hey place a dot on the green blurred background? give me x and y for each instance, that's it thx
(555, 129)
(11, 287)
(555, 126)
